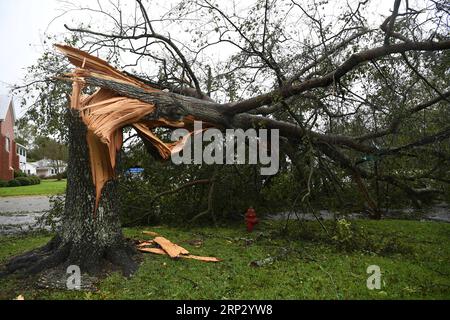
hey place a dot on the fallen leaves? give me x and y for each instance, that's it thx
(166, 247)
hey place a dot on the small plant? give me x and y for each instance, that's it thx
(344, 235)
(3, 183)
(52, 216)
(349, 238)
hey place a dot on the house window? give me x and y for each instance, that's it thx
(7, 144)
(29, 172)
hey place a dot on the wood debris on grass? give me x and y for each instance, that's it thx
(166, 247)
(150, 233)
(145, 243)
(172, 249)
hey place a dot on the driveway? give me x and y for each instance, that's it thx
(19, 214)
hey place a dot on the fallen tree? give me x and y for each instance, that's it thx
(90, 234)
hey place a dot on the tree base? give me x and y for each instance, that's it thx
(51, 262)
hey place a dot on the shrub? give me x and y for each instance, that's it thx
(21, 181)
(14, 183)
(349, 238)
(35, 179)
(24, 181)
(19, 173)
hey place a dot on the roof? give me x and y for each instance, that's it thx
(47, 163)
(21, 145)
(5, 101)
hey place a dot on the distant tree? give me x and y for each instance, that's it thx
(47, 148)
(25, 133)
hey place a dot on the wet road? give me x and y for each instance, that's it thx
(19, 214)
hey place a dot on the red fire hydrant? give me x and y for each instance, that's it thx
(251, 219)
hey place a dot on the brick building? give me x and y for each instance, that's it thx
(9, 159)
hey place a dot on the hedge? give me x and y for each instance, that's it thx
(20, 181)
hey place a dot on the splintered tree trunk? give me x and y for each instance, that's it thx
(92, 241)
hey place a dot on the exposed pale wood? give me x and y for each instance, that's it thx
(106, 113)
(146, 243)
(153, 250)
(205, 259)
(172, 249)
(150, 233)
(162, 252)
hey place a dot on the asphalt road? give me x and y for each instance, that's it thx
(19, 214)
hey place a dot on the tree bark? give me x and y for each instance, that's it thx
(92, 241)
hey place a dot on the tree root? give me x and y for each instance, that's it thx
(57, 255)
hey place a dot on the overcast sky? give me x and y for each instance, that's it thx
(22, 22)
(22, 26)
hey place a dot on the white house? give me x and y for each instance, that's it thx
(22, 153)
(45, 168)
(29, 168)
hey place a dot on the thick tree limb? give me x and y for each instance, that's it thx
(352, 62)
(175, 107)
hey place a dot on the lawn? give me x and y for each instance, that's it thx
(45, 188)
(413, 257)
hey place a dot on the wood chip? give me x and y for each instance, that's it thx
(205, 259)
(153, 250)
(150, 233)
(172, 249)
(162, 252)
(146, 243)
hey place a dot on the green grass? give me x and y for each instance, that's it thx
(46, 187)
(414, 263)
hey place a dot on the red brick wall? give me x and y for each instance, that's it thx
(8, 159)
(15, 157)
(5, 172)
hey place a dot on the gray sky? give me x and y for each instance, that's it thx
(22, 22)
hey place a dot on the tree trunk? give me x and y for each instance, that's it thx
(92, 241)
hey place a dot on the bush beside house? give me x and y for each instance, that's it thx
(21, 180)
